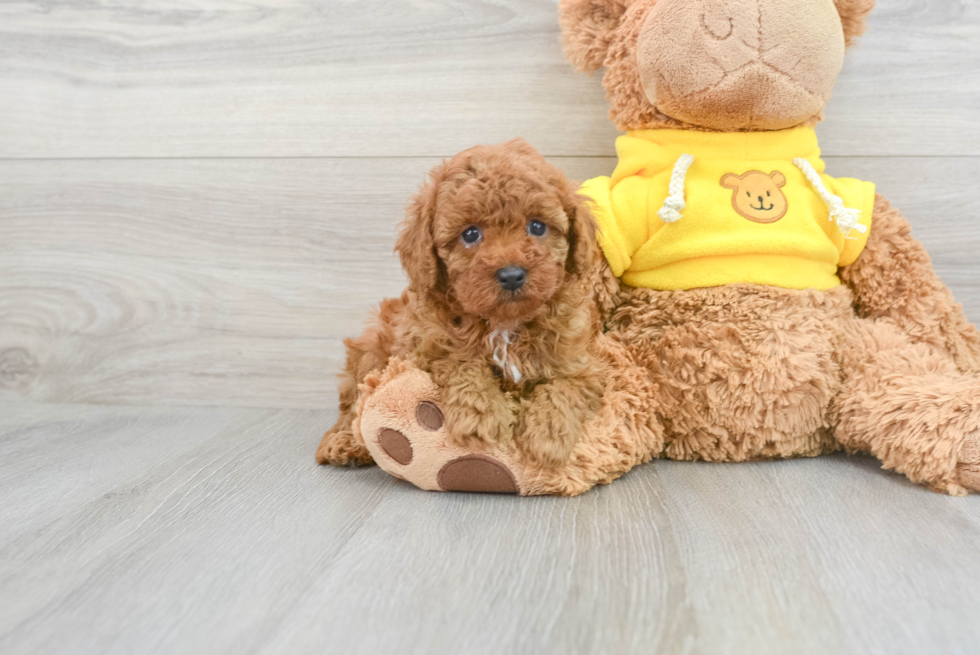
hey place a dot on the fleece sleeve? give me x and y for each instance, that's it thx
(858, 195)
(599, 191)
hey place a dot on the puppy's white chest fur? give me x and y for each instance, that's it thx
(500, 341)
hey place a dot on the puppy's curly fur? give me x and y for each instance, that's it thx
(512, 364)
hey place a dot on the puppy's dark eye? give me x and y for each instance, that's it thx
(536, 228)
(471, 235)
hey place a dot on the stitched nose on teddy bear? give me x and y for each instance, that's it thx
(734, 64)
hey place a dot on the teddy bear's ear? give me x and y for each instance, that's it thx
(778, 178)
(854, 16)
(587, 27)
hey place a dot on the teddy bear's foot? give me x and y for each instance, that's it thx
(404, 430)
(968, 469)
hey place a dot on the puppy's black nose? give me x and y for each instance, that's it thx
(511, 278)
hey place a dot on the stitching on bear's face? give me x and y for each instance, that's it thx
(727, 41)
(710, 32)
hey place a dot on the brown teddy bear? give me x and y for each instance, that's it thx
(776, 311)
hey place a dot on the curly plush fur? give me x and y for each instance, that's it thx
(885, 364)
(455, 316)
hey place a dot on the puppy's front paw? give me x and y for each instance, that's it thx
(341, 448)
(488, 425)
(548, 434)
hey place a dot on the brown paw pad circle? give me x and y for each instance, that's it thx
(477, 473)
(969, 475)
(396, 445)
(429, 416)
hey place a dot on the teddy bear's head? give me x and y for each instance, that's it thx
(713, 64)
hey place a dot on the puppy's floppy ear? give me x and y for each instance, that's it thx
(587, 28)
(854, 16)
(416, 242)
(582, 229)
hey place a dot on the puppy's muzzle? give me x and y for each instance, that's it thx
(511, 278)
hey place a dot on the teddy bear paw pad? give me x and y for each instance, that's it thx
(396, 445)
(429, 415)
(477, 473)
(968, 469)
(405, 431)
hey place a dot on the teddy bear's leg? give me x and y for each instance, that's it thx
(401, 421)
(907, 404)
(893, 278)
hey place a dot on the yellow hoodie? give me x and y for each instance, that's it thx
(690, 209)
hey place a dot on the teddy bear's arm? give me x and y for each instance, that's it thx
(893, 278)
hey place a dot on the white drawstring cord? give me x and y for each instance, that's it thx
(847, 219)
(498, 344)
(674, 203)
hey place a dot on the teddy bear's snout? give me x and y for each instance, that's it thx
(734, 64)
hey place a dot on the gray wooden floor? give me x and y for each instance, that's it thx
(198, 201)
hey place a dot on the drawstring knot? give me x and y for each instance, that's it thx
(847, 218)
(674, 204)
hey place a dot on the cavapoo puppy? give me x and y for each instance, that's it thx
(501, 307)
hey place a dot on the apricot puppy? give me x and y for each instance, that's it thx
(499, 309)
